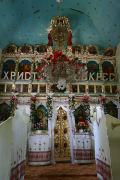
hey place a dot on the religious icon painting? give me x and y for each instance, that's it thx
(25, 88)
(35, 88)
(2, 88)
(9, 88)
(8, 67)
(98, 89)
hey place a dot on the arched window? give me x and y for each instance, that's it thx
(108, 69)
(93, 69)
(8, 66)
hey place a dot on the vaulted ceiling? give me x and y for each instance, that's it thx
(92, 21)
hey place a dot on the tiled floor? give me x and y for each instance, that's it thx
(61, 171)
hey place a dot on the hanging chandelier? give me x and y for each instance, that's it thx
(60, 31)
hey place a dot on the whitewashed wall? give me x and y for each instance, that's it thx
(114, 143)
(20, 128)
(102, 150)
(5, 149)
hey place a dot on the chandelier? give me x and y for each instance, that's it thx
(60, 31)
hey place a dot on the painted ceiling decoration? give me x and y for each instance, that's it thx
(92, 22)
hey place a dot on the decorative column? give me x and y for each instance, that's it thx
(16, 67)
(50, 124)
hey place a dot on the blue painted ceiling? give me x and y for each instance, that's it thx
(92, 21)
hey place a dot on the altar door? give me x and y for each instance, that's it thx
(61, 137)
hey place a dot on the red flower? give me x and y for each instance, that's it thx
(33, 98)
(86, 99)
(58, 55)
(102, 99)
(14, 98)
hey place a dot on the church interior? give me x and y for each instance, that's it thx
(59, 89)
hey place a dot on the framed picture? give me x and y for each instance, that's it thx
(35, 88)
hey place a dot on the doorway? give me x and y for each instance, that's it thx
(62, 137)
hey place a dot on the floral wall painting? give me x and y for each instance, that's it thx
(8, 66)
(92, 68)
(81, 122)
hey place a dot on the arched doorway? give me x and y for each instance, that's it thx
(62, 137)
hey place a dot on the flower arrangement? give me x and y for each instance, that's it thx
(61, 84)
(82, 125)
(58, 56)
(86, 98)
(102, 99)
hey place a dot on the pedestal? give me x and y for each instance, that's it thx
(83, 148)
(39, 149)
